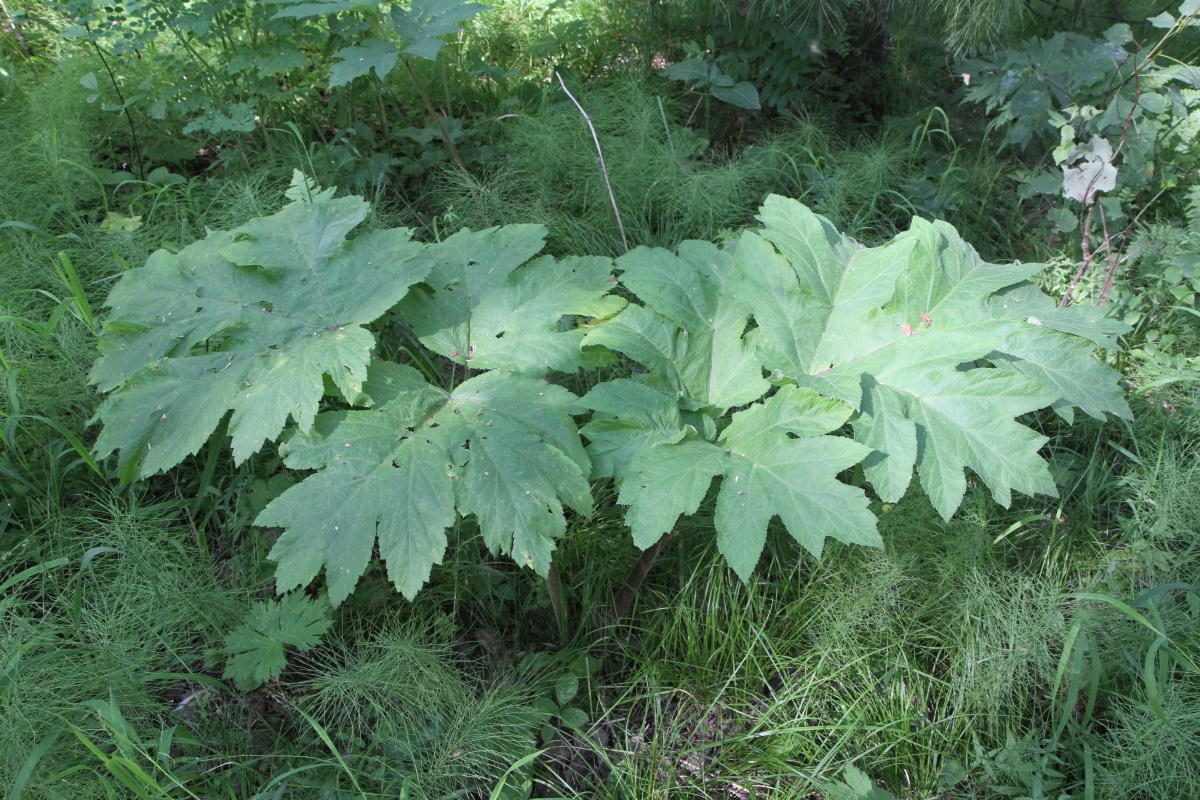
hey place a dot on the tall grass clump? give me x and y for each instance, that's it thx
(1148, 746)
(1152, 750)
(666, 186)
(49, 366)
(915, 662)
(671, 184)
(773, 685)
(419, 721)
(1009, 633)
(120, 610)
(1164, 510)
(49, 136)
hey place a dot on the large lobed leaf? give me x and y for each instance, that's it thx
(774, 460)
(939, 351)
(501, 445)
(928, 352)
(249, 320)
(422, 26)
(425, 22)
(359, 59)
(658, 434)
(256, 319)
(488, 303)
(689, 332)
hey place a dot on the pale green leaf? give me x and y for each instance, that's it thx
(882, 425)
(938, 350)
(773, 463)
(1067, 365)
(487, 305)
(250, 321)
(519, 499)
(946, 279)
(741, 94)
(832, 289)
(282, 57)
(307, 9)
(965, 420)
(630, 417)
(502, 446)
(690, 69)
(706, 358)
(773, 474)
(371, 484)
(425, 21)
(168, 411)
(665, 481)
(1026, 301)
(224, 118)
(649, 339)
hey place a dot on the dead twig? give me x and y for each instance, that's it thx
(1112, 262)
(600, 154)
(1086, 243)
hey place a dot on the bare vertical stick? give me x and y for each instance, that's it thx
(603, 169)
(1112, 262)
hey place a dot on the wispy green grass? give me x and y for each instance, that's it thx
(123, 609)
(665, 188)
(410, 716)
(669, 184)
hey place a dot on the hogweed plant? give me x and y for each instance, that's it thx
(769, 367)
